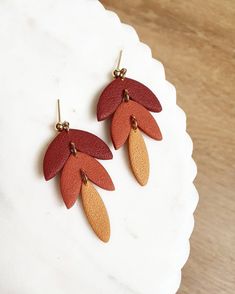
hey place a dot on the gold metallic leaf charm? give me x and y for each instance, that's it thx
(95, 211)
(138, 155)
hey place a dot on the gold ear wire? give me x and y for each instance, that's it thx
(58, 111)
(119, 60)
(60, 126)
(119, 72)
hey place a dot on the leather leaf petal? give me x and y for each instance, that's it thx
(138, 155)
(94, 171)
(59, 150)
(95, 211)
(56, 155)
(121, 125)
(90, 144)
(109, 99)
(70, 181)
(143, 95)
(112, 96)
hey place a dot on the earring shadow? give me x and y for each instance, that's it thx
(40, 156)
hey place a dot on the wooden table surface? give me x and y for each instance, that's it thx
(195, 40)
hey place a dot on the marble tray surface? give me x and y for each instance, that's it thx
(68, 49)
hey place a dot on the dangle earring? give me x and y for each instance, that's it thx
(73, 152)
(128, 102)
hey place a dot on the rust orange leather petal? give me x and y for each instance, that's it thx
(94, 171)
(95, 211)
(121, 125)
(70, 181)
(146, 121)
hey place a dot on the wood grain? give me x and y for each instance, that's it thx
(195, 41)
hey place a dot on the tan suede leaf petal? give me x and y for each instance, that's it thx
(95, 211)
(138, 155)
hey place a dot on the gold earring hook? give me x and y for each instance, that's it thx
(58, 111)
(119, 73)
(60, 126)
(119, 60)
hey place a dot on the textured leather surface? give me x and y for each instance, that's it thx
(94, 171)
(112, 96)
(121, 123)
(109, 99)
(90, 144)
(138, 154)
(95, 211)
(56, 155)
(70, 180)
(59, 150)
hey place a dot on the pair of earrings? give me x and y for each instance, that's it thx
(74, 153)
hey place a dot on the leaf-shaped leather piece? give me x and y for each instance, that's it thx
(109, 99)
(121, 123)
(59, 150)
(95, 171)
(90, 144)
(138, 155)
(112, 96)
(95, 211)
(70, 181)
(56, 155)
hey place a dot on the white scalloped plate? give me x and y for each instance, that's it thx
(56, 48)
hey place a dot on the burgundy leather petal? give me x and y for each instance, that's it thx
(121, 123)
(59, 150)
(90, 144)
(112, 96)
(56, 155)
(109, 99)
(143, 95)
